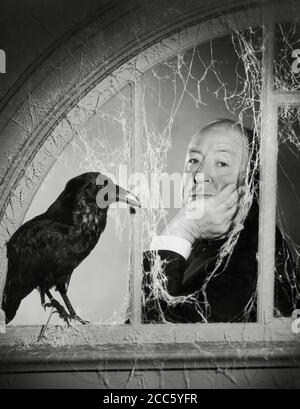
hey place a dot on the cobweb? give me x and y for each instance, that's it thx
(208, 80)
(287, 56)
(289, 197)
(201, 76)
(241, 100)
(104, 142)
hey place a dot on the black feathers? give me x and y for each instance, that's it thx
(44, 251)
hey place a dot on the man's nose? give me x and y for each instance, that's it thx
(205, 171)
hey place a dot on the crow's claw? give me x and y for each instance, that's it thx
(59, 309)
(77, 318)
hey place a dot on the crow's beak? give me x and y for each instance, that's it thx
(124, 196)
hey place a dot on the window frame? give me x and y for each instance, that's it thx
(267, 328)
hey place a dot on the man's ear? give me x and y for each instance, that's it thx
(182, 191)
(242, 179)
(182, 184)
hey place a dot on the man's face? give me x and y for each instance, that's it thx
(220, 154)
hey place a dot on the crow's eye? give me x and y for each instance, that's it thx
(103, 184)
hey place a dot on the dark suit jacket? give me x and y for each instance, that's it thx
(230, 290)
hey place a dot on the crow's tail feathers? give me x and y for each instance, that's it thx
(13, 292)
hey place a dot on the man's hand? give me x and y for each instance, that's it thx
(214, 219)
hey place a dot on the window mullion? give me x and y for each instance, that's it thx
(137, 222)
(268, 184)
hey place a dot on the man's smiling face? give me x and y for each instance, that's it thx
(220, 154)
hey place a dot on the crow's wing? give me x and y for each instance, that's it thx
(38, 253)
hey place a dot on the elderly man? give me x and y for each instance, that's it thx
(188, 249)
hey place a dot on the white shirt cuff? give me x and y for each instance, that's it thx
(172, 243)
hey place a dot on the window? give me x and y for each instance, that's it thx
(287, 202)
(182, 95)
(100, 287)
(219, 63)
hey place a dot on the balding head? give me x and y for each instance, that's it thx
(220, 152)
(227, 128)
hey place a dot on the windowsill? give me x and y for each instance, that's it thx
(279, 330)
(45, 358)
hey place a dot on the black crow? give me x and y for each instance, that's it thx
(45, 250)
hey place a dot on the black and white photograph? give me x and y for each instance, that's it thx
(149, 197)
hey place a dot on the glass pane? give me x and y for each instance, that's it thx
(99, 286)
(287, 284)
(215, 280)
(287, 57)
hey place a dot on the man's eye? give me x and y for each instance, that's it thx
(222, 164)
(193, 161)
